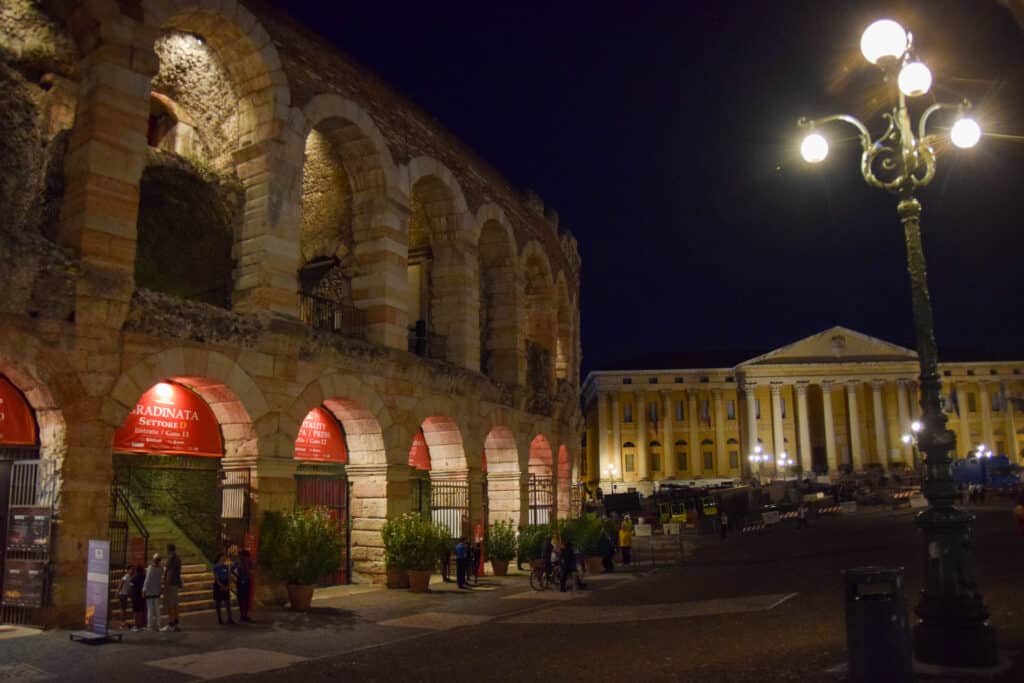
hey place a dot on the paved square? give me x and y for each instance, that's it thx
(436, 621)
(24, 673)
(554, 595)
(219, 663)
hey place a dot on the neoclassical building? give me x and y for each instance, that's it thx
(837, 399)
(238, 273)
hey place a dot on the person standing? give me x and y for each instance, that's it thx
(151, 589)
(242, 571)
(723, 519)
(801, 517)
(460, 562)
(626, 540)
(124, 593)
(222, 587)
(172, 585)
(567, 560)
(138, 598)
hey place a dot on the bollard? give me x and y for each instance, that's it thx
(877, 630)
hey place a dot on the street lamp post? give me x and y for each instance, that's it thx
(953, 628)
(612, 471)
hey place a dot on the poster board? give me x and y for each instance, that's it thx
(28, 528)
(24, 583)
(97, 587)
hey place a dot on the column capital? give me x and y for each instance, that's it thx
(716, 394)
(749, 389)
(877, 384)
(776, 390)
(801, 388)
(852, 384)
(827, 385)
(904, 382)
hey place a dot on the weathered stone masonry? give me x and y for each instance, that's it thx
(135, 135)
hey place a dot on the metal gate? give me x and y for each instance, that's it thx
(25, 523)
(542, 499)
(449, 505)
(322, 485)
(576, 500)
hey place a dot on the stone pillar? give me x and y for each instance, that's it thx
(881, 439)
(379, 290)
(604, 426)
(643, 464)
(721, 452)
(668, 448)
(378, 492)
(904, 418)
(693, 420)
(985, 400)
(1012, 442)
(831, 455)
(476, 501)
(616, 453)
(751, 399)
(505, 494)
(804, 426)
(778, 437)
(965, 443)
(856, 454)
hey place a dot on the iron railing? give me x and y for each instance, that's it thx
(24, 492)
(330, 316)
(449, 505)
(542, 499)
(122, 518)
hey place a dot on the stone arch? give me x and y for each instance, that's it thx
(504, 479)
(541, 462)
(564, 481)
(444, 443)
(442, 269)
(563, 351)
(246, 53)
(538, 321)
(500, 353)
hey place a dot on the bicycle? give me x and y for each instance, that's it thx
(541, 577)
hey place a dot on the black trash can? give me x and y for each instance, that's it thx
(877, 628)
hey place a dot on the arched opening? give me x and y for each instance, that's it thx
(320, 480)
(563, 333)
(180, 476)
(539, 327)
(565, 503)
(499, 351)
(338, 167)
(503, 493)
(440, 474)
(436, 300)
(628, 460)
(541, 485)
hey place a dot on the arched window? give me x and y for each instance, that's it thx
(654, 456)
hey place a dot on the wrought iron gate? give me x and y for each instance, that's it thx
(542, 499)
(449, 505)
(576, 500)
(25, 527)
(322, 485)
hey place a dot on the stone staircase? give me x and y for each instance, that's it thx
(196, 595)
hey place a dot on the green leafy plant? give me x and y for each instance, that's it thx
(531, 541)
(500, 541)
(412, 542)
(300, 547)
(586, 534)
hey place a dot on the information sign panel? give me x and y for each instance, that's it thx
(24, 583)
(97, 586)
(28, 528)
(642, 530)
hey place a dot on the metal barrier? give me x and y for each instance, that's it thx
(330, 316)
(449, 505)
(542, 499)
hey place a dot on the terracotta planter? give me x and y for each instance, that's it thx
(419, 580)
(594, 565)
(397, 578)
(499, 567)
(300, 597)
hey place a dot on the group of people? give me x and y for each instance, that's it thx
(143, 588)
(561, 552)
(972, 493)
(467, 561)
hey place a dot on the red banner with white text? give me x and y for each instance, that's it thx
(17, 426)
(320, 438)
(170, 420)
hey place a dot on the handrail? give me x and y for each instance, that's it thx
(122, 497)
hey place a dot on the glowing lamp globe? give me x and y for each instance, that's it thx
(884, 38)
(814, 148)
(965, 133)
(914, 79)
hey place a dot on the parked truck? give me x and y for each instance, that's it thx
(995, 472)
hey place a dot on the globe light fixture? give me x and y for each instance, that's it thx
(915, 79)
(814, 148)
(915, 426)
(884, 38)
(906, 438)
(965, 133)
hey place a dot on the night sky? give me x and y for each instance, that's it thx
(664, 134)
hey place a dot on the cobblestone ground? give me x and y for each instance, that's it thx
(755, 608)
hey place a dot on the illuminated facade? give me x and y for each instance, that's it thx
(835, 400)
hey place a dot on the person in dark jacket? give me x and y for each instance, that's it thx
(222, 586)
(567, 560)
(138, 599)
(242, 571)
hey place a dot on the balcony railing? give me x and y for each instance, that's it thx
(330, 316)
(427, 344)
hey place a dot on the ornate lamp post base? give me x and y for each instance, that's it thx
(954, 629)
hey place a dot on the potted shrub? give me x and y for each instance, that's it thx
(588, 535)
(531, 542)
(395, 549)
(411, 544)
(500, 546)
(300, 547)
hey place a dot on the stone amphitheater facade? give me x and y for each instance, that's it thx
(187, 188)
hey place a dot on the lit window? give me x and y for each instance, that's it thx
(680, 411)
(730, 409)
(630, 462)
(627, 412)
(652, 412)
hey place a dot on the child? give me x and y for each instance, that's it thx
(124, 593)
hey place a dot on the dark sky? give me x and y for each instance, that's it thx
(664, 134)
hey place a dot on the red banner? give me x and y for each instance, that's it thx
(17, 426)
(320, 438)
(170, 420)
(419, 454)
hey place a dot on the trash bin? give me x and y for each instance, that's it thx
(877, 630)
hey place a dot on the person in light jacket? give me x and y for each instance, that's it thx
(151, 590)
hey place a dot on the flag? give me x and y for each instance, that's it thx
(956, 404)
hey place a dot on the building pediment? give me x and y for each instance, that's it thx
(835, 345)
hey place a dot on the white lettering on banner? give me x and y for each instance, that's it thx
(160, 411)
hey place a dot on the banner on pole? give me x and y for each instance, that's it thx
(97, 587)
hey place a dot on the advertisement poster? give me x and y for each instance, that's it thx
(24, 582)
(320, 438)
(28, 528)
(170, 419)
(17, 426)
(97, 587)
